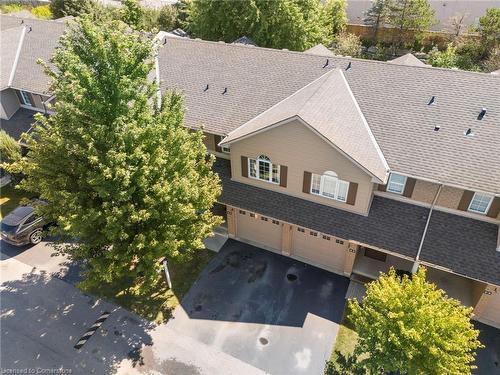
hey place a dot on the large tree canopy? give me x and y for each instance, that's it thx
(291, 24)
(409, 326)
(126, 181)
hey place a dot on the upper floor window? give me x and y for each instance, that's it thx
(329, 186)
(262, 169)
(396, 183)
(226, 149)
(25, 98)
(480, 203)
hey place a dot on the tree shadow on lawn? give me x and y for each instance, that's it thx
(156, 303)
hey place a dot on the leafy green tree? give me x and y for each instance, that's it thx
(168, 18)
(122, 174)
(493, 62)
(347, 44)
(75, 8)
(409, 18)
(444, 59)
(225, 20)
(291, 24)
(409, 326)
(10, 151)
(335, 17)
(377, 16)
(489, 28)
(132, 13)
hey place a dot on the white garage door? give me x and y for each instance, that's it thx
(491, 313)
(318, 249)
(259, 229)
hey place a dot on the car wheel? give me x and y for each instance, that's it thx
(36, 237)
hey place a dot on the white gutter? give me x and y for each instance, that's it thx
(158, 91)
(417, 257)
(16, 59)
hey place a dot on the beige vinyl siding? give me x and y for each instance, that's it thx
(9, 103)
(449, 197)
(300, 149)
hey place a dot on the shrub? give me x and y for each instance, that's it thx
(11, 8)
(167, 19)
(42, 11)
(10, 150)
(347, 44)
(62, 8)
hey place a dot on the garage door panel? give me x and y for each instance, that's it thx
(319, 249)
(259, 229)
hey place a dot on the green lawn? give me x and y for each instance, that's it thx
(156, 305)
(346, 338)
(10, 198)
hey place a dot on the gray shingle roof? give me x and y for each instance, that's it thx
(393, 99)
(463, 245)
(9, 40)
(408, 59)
(319, 49)
(40, 41)
(466, 246)
(329, 108)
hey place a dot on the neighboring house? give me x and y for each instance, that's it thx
(24, 87)
(352, 165)
(444, 11)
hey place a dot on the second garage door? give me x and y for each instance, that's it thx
(259, 229)
(490, 314)
(319, 249)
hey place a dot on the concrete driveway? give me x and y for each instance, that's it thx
(270, 311)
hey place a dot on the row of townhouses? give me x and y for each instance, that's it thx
(351, 165)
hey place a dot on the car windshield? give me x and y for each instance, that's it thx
(9, 228)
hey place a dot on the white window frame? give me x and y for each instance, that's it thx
(25, 98)
(264, 159)
(226, 149)
(338, 183)
(403, 185)
(476, 194)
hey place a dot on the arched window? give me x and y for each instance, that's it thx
(330, 186)
(261, 168)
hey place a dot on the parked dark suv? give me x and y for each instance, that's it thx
(22, 226)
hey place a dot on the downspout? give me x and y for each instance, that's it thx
(417, 257)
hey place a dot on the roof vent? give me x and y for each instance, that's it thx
(481, 114)
(225, 91)
(206, 88)
(469, 132)
(349, 66)
(326, 63)
(436, 128)
(432, 101)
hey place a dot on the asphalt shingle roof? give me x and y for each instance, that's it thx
(327, 106)
(393, 98)
(465, 246)
(21, 122)
(40, 41)
(9, 40)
